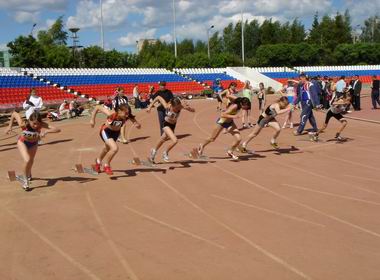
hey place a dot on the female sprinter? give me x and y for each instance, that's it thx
(28, 141)
(226, 121)
(336, 109)
(110, 132)
(268, 117)
(172, 112)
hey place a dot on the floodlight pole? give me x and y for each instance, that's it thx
(242, 39)
(208, 41)
(101, 25)
(174, 31)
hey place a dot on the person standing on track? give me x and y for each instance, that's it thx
(226, 121)
(172, 112)
(27, 143)
(247, 92)
(261, 97)
(307, 95)
(289, 91)
(375, 95)
(167, 95)
(119, 99)
(110, 131)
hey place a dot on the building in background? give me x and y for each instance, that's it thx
(4, 57)
(140, 43)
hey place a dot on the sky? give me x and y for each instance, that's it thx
(126, 21)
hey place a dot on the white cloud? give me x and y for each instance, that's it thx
(132, 37)
(87, 15)
(167, 38)
(23, 17)
(34, 5)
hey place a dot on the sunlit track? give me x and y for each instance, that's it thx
(230, 229)
(53, 246)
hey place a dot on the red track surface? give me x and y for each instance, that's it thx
(311, 212)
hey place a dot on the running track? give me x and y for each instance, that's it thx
(307, 212)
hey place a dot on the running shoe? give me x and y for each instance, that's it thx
(97, 166)
(274, 145)
(242, 149)
(153, 153)
(291, 125)
(231, 155)
(165, 156)
(108, 170)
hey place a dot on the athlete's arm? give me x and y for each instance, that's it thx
(227, 114)
(49, 129)
(102, 109)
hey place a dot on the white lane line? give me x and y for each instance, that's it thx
(172, 227)
(325, 177)
(363, 178)
(300, 204)
(351, 162)
(332, 194)
(111, 243)
(234, 232)
(268, 211)
(75, 263)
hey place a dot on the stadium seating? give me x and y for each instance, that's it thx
(364, 71)
(103, 82)
(280, 74)
(209, 75)
(15, 87)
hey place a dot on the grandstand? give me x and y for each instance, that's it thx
(208, 75)
(15, 87)
(102, 82)
(54, 84)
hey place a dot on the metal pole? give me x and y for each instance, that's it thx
(208, 43)
(31, 31)
(101, 24)
(175, 33)
(242, 38)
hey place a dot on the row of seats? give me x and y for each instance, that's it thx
(95, 71)
(199, 70)
(109, 89)
(19, 95)
(210, 76)
(113, 79)
(337, 68)
(273, 69)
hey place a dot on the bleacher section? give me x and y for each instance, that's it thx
(15, 87)
(364, 71)
(103, 82)
(280, 74)
(209, 75)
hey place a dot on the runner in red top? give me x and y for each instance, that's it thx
(110, 132)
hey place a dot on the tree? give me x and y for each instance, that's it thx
(92, 57)
(297, 31)
(26, 52)
(251, 37)
(55, 35)
(58, 57)
(185, 47)
(371, 30)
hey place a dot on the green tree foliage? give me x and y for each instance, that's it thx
(371, 30)
(26, 52)
(270, 43)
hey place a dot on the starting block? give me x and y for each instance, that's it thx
(12, 176)
(80, 169)
(138, 162)
(193, 154)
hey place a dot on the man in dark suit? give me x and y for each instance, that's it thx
(356, 88)
(375, 92)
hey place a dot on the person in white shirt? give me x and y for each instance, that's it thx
(64, 110)
(136, 96)
(340, 86)
(33, 103)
